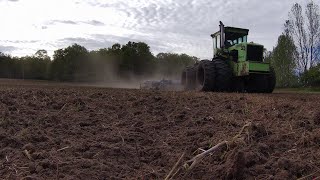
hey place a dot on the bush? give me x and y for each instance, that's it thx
(312, 77)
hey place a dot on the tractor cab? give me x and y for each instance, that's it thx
(228, 37)
(234, 36)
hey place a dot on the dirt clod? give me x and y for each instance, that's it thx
(317, 119)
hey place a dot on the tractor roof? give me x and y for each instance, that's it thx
(233, 33)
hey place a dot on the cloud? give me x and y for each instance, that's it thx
(7, 49)
(69, 22)
(9, 0)
(103, 39)
(54, 22)
(157, 45)
(19, 41)
(94, 23)
(95, 41)
(88, 43)
(189, 16)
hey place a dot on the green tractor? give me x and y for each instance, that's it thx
(237, 66)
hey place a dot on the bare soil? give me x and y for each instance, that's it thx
(57, 131)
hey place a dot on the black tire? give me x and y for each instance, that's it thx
(261, 83)
(237, 85)
(271, 80)
(256, 83)
(223, 75)
(205, 76)
(214, 76)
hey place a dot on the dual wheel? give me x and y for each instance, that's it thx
(208, 76)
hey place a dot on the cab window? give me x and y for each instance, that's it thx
(245, 38)
(218, 41)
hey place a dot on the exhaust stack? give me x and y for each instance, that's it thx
(222, 35)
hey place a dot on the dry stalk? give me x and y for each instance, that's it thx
(138, 154)
(174, 167)
(63, 107)
(97, 154)
(291, 150)
(199, 157)
(67, 147)
(202, 150)
(195, 160)
(177, 171)
(242, 129)
(289, 133)
(305, 177)
(121, 137)
(12, 168)
(26, 152)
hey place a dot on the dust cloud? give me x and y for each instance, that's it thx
(110, 77)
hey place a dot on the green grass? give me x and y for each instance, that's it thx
(299, 90)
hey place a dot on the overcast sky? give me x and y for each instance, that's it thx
(181, 26)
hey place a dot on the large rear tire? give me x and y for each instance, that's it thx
(261, 83)
(237, 85)
(271, 79)
(205, 76)
(223, 75)
(256, 83)
(214, 76)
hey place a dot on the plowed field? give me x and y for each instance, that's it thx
(58, 131)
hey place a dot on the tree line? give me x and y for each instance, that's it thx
(296, 57)
(76, 63)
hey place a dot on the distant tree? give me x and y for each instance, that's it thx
(137, 59)
(105, 63)
(311, 77)
(33, 67)
(313, 30)
(42, 54)
(267, 56)
(70, 64)
(304, 28)
(172, 64)
(7, 65)
(283, 59)
(116, 47)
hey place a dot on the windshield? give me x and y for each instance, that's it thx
(236, 41)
